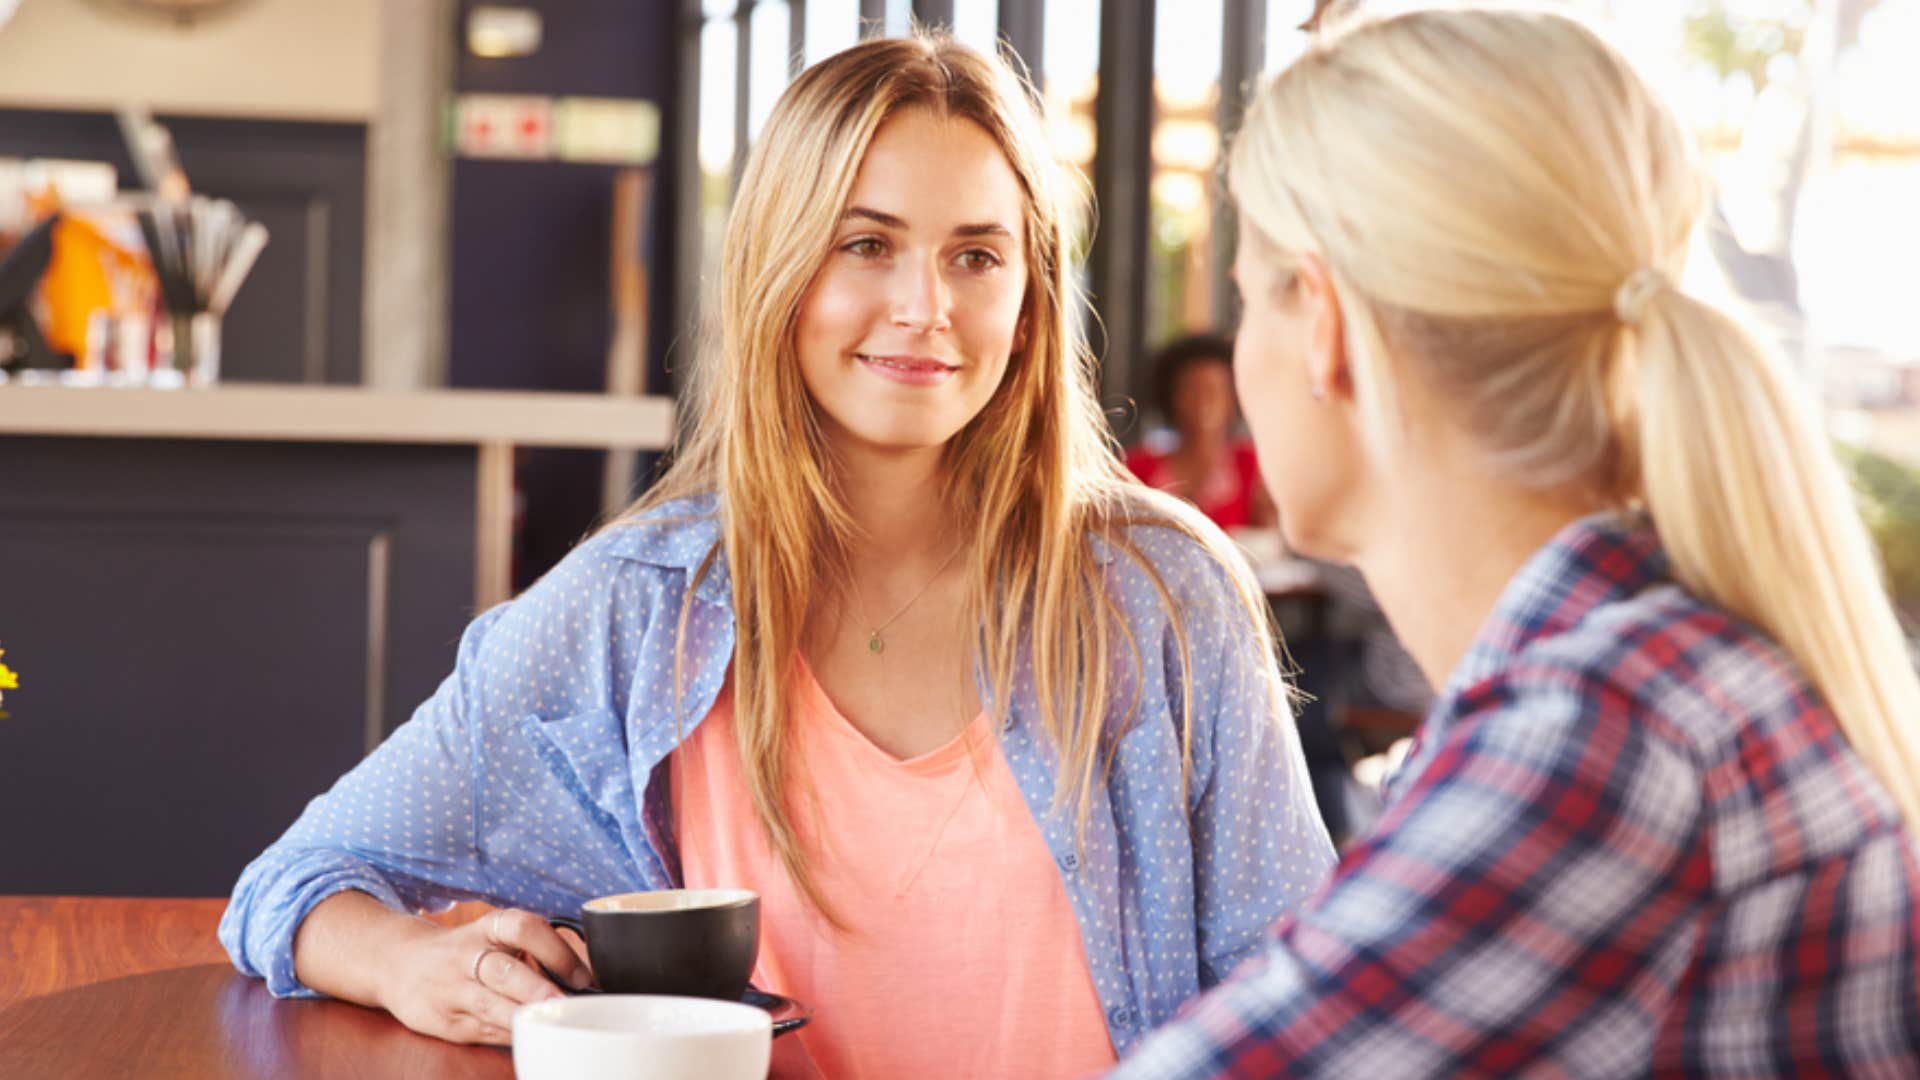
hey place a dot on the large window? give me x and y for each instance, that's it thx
(1804, 109)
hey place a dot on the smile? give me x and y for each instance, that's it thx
(912, 370)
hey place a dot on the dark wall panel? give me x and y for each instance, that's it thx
(151, 755)
(207, 635)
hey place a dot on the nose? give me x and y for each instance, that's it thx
(922, 301)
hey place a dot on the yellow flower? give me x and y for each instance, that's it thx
(8, 680)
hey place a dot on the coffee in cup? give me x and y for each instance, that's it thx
(681, 942)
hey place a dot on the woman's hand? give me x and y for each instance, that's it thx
(462, 984)
(457, 983)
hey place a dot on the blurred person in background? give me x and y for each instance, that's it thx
(1202, 455)
(1662, 819)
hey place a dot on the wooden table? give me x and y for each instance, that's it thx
(115, 987)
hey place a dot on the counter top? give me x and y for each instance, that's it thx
(304, 413)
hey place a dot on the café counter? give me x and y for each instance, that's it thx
(218, 600)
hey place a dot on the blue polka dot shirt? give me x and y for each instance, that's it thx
(535, 776)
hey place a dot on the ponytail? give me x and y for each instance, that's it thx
(1753, 510)
(1509, 228)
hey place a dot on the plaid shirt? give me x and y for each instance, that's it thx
(1631, 841)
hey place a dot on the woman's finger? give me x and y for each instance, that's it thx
(469, 1028)
(579, 946)
(525, 932)
(490, 1008)
(507, 975)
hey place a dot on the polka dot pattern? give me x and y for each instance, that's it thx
(528, 778)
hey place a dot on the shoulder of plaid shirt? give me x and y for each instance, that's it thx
(1630, 841)
(533, 776)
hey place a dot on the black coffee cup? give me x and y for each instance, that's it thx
(685, 942)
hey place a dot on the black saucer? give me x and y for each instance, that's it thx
(788, 1014)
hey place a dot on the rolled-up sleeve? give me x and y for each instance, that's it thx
(513, 783)
(400, 827)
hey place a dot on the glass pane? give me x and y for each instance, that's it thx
(977, 23)
(1285, 39)
(1186, 154)
(1072, 47)
(768, 39)
(718, 60)
(1070, 66)
(832, 25)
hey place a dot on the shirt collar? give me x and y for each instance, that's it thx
(1600, 559)
(677, 535)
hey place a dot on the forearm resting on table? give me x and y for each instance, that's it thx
(346, 943)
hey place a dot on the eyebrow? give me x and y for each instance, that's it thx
(893, 221)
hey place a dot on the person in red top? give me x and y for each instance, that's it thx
(1203, 458)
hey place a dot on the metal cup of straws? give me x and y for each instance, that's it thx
(196, 348)
(202, 250)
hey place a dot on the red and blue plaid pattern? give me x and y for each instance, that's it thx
(1631, 841)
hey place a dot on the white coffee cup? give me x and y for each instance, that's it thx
(641, 1037)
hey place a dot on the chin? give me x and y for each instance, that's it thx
(908, 444)
(900, 435)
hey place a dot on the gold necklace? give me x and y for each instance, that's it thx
(876, 643)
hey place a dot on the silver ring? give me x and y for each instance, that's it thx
(493, 927)
(478, 957)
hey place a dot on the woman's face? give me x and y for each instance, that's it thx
(906, 329)
(1288, 349)
(1202, 399)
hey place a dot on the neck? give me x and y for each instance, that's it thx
(1474, 537)
(896, 500)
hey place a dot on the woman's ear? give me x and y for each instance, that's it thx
(1020, 333)
(1326, 329)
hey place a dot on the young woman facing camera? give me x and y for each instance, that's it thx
(996, 733)
(1661, 820)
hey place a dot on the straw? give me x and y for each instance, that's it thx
(253, 238)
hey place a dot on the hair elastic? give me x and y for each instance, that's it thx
(1631, 299)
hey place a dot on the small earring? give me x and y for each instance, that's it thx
(1319, 392)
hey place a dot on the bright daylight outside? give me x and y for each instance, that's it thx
(1807, 111)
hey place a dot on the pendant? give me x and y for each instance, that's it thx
(874, 644)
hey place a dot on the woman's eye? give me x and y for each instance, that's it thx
(866, 247)
(979, 259)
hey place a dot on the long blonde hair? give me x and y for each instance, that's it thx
(1482, 184)
(1036, 469)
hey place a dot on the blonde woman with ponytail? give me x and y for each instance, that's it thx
(996, 734)
(1661, 820)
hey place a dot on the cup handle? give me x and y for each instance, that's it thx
(565, 922)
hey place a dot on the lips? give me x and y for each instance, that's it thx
(921, 364)
(912, 370)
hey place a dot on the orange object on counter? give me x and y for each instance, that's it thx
(81, 279)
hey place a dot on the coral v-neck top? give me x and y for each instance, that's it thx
(961, 957)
